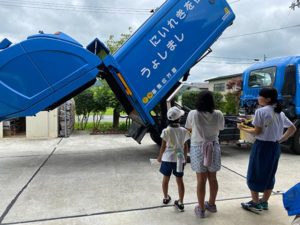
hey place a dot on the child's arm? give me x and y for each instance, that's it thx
(162, 150)
(186, 149)
(251, 130)
(288, 133)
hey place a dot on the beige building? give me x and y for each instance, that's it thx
(45, 124)
(219, 84)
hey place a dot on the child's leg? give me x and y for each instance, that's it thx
(165, 186)
(255, 196)
(267, 194)
(201, 183)
(213, 187)
(181, 189)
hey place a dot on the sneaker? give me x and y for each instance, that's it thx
(199, 212)
(264, 205)
(167, 200)
(210, 208)
(179, 205)
(252, 206)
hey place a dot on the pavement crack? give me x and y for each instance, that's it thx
(14, 200)
(241, 175)
(118, 211)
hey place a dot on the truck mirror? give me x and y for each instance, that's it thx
(289, 85)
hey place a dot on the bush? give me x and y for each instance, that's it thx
(105, 127)
(189, 99)
(232, 104)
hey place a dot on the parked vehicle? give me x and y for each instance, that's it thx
(47, 69)
(284, 75)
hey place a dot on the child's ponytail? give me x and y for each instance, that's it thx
(278, 107)
(271, 93)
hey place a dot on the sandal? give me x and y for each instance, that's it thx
(167, 200)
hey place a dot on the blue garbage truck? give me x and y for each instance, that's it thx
(283, 74)
(45, 70)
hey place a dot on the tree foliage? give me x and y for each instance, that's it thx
(101, 96)
(189, 99)
(231, 105)
(233, 97)
(219, 103)
(113, 45)
(84, 105)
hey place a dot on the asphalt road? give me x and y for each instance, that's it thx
(107, 179)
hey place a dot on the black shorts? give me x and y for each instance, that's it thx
(166, 168)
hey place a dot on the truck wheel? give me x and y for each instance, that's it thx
(156, 138)
(297, 142)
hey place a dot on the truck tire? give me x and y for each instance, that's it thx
(297, 142)
(155, 137)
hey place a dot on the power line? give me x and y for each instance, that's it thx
(232, 58)
(76, 7)
(235, 63)
(234, 2)
(72, 7)
(260, 32)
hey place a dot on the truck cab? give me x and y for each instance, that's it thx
(283, 74)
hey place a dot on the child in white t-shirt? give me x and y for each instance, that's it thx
(172, 155)
(269, 123)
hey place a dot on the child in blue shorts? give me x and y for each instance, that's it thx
(174, 146)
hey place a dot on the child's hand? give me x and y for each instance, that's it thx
(241, 126)
(159, 158)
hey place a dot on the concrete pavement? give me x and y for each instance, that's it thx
(107, 179)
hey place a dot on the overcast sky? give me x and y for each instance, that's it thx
(232, 53)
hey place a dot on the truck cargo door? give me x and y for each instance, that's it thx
(40, 72)
(167, 45)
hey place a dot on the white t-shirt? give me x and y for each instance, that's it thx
(272, 123)
(174, 136)
(205, 126)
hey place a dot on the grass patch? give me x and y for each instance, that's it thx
(105, 128)
(110, 111)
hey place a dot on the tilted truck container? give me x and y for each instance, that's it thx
(47, 69)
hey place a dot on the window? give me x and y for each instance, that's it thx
(262, 77)
(219, 87)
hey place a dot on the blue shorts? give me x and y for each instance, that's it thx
(166, 168)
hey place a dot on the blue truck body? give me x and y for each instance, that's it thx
(47, 69)
(283, 74)
(41, 71)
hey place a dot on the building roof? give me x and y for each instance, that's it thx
(200, 85)
(225, 77)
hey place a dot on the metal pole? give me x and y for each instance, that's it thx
(65, 111)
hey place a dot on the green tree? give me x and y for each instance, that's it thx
(219, 103)
(84, 105)
(113, 45)
(231, 105)
(233, 97)
(101, 97)
(189, 99)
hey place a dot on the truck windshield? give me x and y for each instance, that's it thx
(262, 77)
